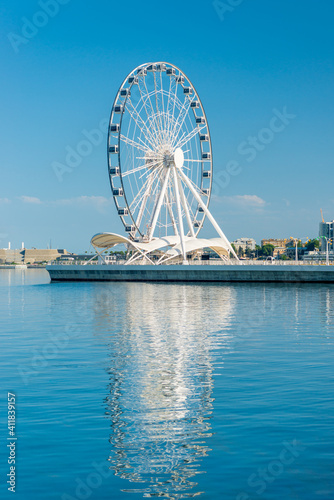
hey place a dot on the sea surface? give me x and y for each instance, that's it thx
(138, 390)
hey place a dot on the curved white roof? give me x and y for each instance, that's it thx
(109, 240)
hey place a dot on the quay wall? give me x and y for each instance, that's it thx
(193, 273)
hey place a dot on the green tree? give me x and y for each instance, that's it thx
(240, 252)
(268, 250)
(311, 245)
(258, 251)
(248, 252)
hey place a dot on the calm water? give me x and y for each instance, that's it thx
(164, 390)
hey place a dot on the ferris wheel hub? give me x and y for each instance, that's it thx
(178, 158)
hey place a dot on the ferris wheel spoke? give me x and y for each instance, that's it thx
(135, 199)
(199, 161)
(157, 155)
(180, 121)
(168, 114)
(158, 165)
(152, 116)
(154, 176)
(174, 103)
(141, 140)
(157, 104)
(133, 143)
(148, 133)
(140, 123)
(187, 138)
(134, 170)
(164, 125)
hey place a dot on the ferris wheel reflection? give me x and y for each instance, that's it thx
(160, 393)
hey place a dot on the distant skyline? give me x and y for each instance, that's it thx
(264, 72)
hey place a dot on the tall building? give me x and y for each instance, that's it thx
(326, 230)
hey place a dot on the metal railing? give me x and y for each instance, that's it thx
(212, 262)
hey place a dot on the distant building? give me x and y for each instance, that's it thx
(279, 245)
(326, 230)
(29, 255)
(107, 259)
(244, 243)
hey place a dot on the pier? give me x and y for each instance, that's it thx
(211, 273)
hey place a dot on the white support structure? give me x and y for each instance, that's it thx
(171, 215)
(186, 209)
(98, 254)
(159, 203)
(178, 203)
(207, 213)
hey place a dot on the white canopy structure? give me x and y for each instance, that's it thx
(160, 168)
(170, 247)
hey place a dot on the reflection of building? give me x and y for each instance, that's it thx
(29, 255)
(160, 393)
(244, 243)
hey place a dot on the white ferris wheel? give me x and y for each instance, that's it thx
(160, 160)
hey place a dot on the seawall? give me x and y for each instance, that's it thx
(194, 273)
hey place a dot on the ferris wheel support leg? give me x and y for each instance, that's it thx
(178, 203)
(159, 203)
(207, 213)
(186, 209)
(146, 195)
(171, 215)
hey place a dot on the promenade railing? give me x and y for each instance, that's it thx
(211, 262)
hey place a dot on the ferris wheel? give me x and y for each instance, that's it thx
(159, 154)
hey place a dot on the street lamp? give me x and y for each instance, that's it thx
(328, 240)
(296, 248)
(296, 245)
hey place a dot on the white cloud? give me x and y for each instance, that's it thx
(97, 202)
(31, 199)
(246, 200)
(4, 200)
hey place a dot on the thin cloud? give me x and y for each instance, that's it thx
(99, 203)
(31, 199)
(246, 200)
(4, 200)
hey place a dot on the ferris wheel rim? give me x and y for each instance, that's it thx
(209, 162)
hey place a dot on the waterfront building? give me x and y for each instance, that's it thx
(278, 243)
(326, 230)
(29, 255)
(244, 243)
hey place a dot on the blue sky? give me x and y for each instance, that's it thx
(249, 63)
